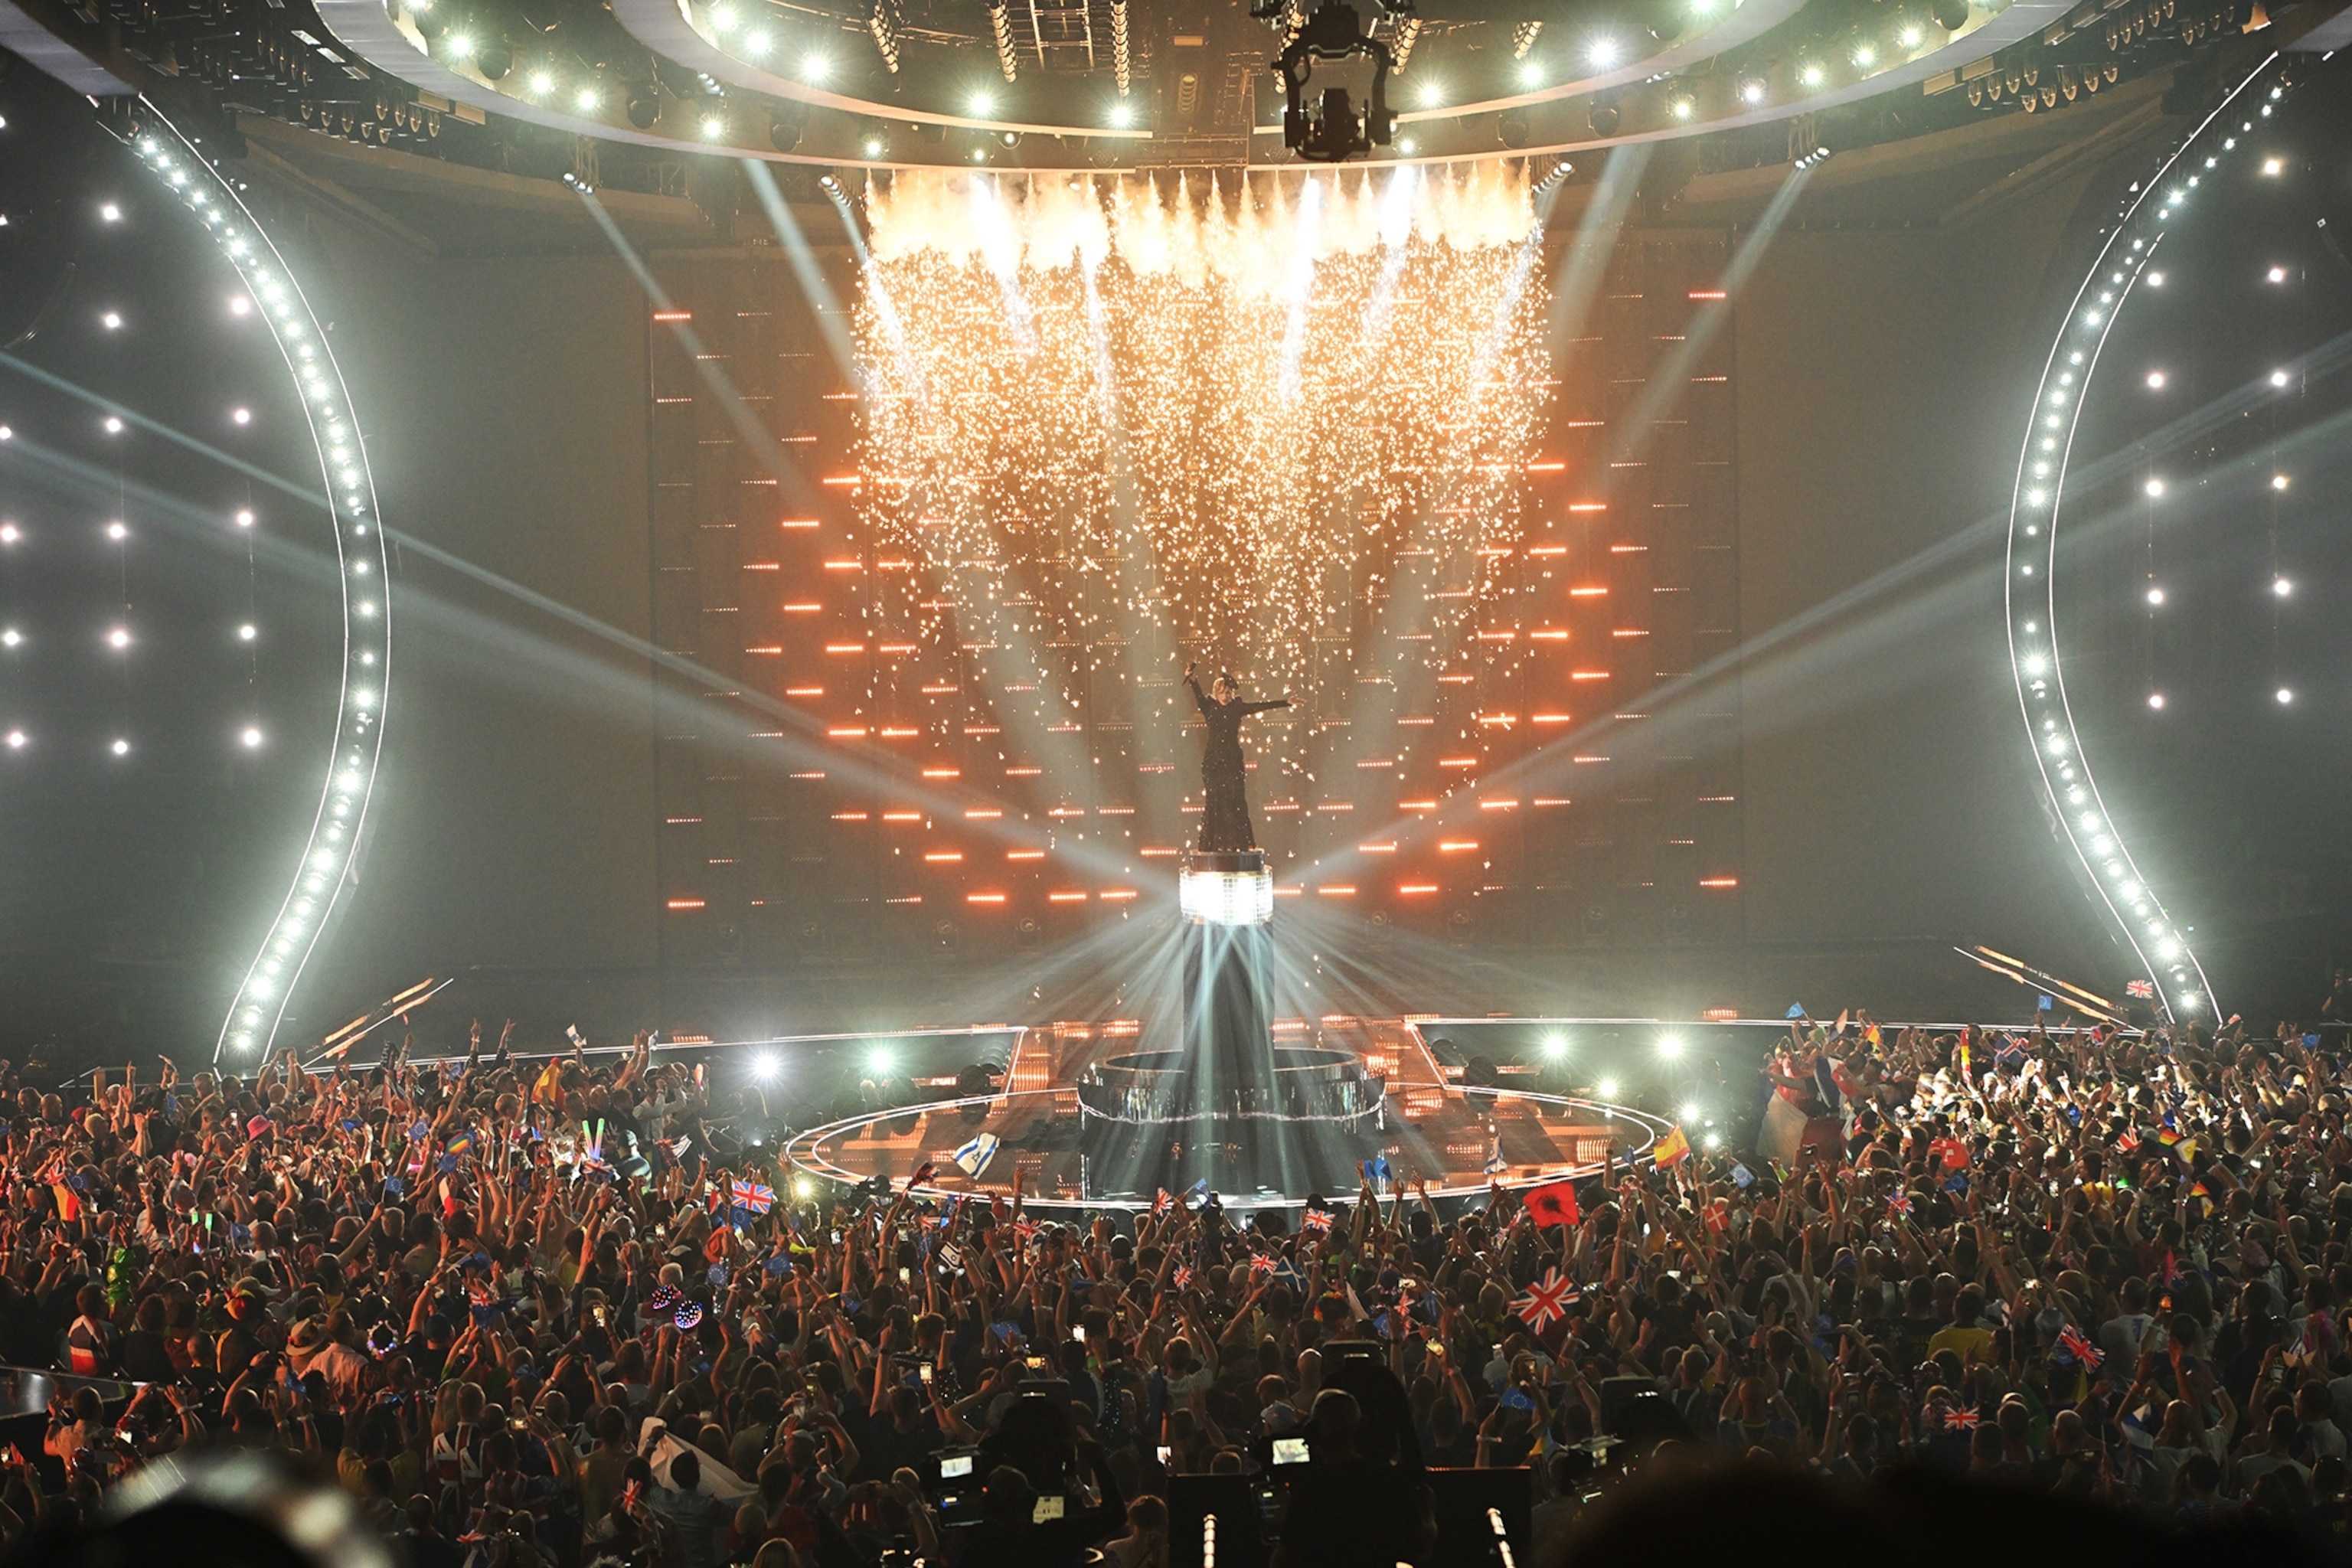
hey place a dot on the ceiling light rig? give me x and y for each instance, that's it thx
(1121, 61)
(348, 499)
(1331, 128)
(1000, 25)
(884, 25)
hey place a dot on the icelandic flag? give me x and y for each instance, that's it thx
(1199, 1189)
(974, 1156)
(1797, 1011)
(754, 1197)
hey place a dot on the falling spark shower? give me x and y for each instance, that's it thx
(1280, 424)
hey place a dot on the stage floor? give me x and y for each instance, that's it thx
(1431, 1127)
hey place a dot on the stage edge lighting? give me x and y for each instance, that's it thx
(324, 871)
(2030, 602)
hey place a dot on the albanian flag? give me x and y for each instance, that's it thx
(1554, 1203)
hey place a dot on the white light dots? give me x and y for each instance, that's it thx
(2155, 380)
(119, 638)
(240, 415)
(110, 212)
(2278, 378)
(113, 425)
(2286, 696)
(2278, 482)
(244, 519)
(2282, 587)
(2156, 699)
(18, 740)
(2275, 275)
(122, 747)
(250, 737)
(111, 321)
(246, 632)
(2154, 486)
(2156, 596)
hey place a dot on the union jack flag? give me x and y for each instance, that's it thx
(2083, 1353)
(1546, 1300)
(1182, 1279)
(753, 1196)
(1961, 1418)
(2140, 990)
(1900, 1203)
(2127, 1143)
(1262, 1263)
(1162, 1202)
(1315, 1221)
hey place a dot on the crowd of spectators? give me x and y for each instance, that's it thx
(532, 1321)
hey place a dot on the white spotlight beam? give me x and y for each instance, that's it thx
(2030, 598)
(329, 848)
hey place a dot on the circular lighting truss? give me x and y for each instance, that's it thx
(2029, 595)
(319, 877)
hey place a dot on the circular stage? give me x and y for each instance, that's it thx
(1087, 1120)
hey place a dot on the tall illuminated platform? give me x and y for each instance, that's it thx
(1227, 901)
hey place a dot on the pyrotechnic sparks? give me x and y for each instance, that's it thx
(1286, 425)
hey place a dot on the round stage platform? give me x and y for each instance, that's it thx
(1084, 1120)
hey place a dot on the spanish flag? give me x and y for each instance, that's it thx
(549, 1089)
(1671, 1150)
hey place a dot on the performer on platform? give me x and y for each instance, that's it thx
(1225, 821)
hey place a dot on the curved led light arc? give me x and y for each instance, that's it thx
(2030, 596)
(259, 1005)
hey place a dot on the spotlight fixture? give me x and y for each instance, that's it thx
(1813, 75)
(1682, 106)
(1670, 1046)
(1331, 128)
(1603, 51)
(1121, 62)
(644, 106)
(1753, 88)
(1512, 126)
(1524, 35)
(1408, 33)
(496, 60)
(785, 130)
(1603, 117)
(1531, 73)
(2156, 596)
(884, 25)
(1813, 159)
(542, 83)
(874, 142)
(1556, 178)
(984, 104)
(1866, 56)
(1950, 14)
(1122, 114)
(1911, 36)
(2155, 699)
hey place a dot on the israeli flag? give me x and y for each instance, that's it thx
(1495, 1164)
(974, 1156)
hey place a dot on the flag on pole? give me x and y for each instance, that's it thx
(974, 1156)
(1671, 1151)
(1162, 1202)
(1495, 1164)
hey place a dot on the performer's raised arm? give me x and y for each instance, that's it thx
(1200, 697)
(1262, 707)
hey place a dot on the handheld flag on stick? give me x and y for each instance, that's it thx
(1554, 1203)
(753, 1197)
(1546, 1300)
(2078, 1349)
(974, 1156)
(1315, 1222)
(1671, 1151)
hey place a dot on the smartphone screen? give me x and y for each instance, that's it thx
(1165, 1451)
(955, 1466)
(1290, 1450)
(926, 1374)
(1078, 1332)
(1048, 1507)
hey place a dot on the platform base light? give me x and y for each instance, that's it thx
(1226, 897)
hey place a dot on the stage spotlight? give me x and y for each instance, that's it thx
(763, 1067)
(1753, 88)
(1670, 1046)
(1606, 1089)
(1682, 106)
(802, 1188)
(1690, 1113)
(644, 106)
(1326, 127)
(1603, 119)
(1009, 137)
(874, 141)
(880, 1061)
(496, 60)
(1713, 1141)
(1554, 1046)
(785, 130)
